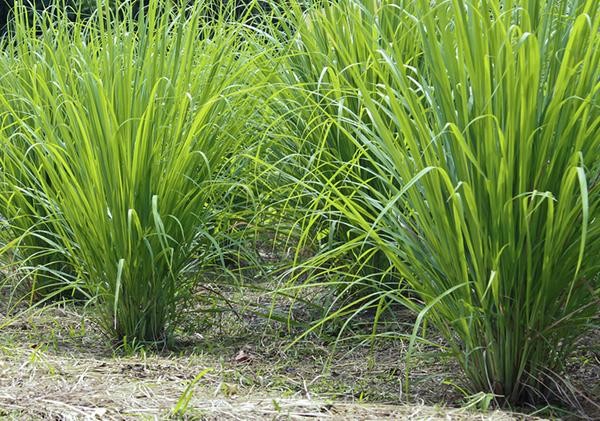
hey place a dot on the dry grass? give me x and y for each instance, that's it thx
(55, 365)
(41, 384)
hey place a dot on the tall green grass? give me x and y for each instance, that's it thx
(449, 149)
(132, 119)
(488, 147)
(34, 237)
(328, 52)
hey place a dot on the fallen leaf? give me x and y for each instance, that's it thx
(243, 357)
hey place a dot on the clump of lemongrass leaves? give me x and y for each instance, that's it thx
(318, 81)
(487, 144)
(124, 121)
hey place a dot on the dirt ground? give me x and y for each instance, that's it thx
(54, 364)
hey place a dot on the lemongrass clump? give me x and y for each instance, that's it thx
(132, 117)
(488, 146)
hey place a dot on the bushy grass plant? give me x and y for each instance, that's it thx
(132, 119)
(328, 53)
(34, 235)
(488, 147)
